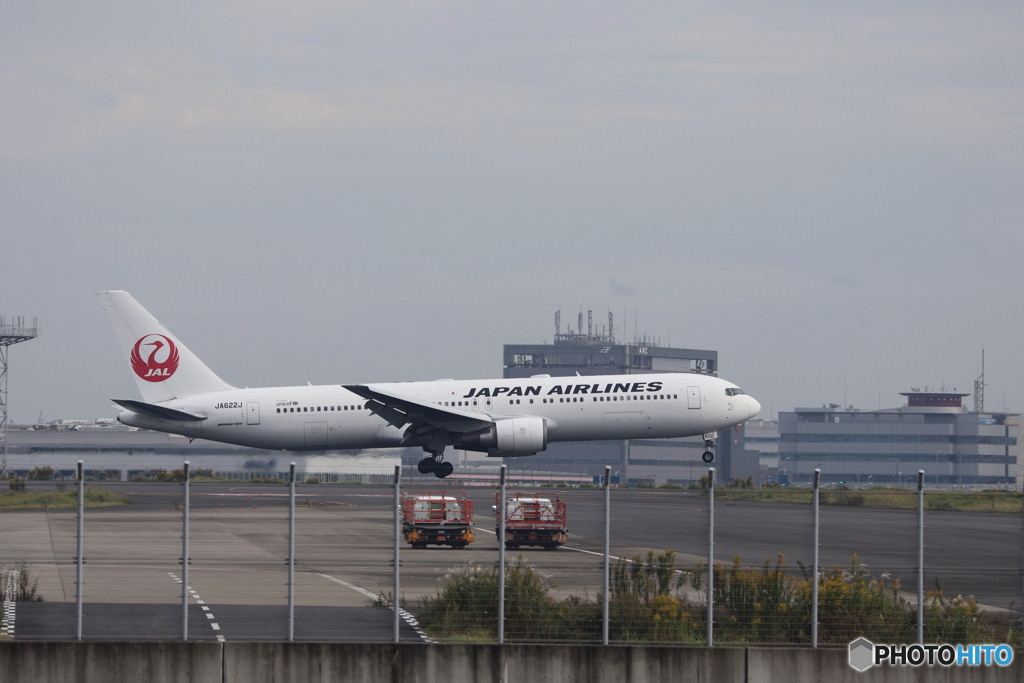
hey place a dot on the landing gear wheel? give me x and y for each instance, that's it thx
(443, 469)
(427, 465)
(708, 456)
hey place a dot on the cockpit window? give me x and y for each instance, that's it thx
(734, 391)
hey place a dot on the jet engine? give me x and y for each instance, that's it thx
(512, 437)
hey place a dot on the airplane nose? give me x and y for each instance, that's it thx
(755, 407)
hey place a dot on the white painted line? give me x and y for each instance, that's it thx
(10, 600)
(406, 615)
(206, 610)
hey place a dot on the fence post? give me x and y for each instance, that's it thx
(501, 554)
(79, 547)
(291, 552)
(398, 532)
(184, 553)
(711, 557)
(814, 585)
(607, 552)
(920, 557)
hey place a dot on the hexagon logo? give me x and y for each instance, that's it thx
(862, 654)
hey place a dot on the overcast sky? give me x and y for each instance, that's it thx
(355, 191)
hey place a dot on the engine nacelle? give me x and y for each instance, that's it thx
(521, 435)
(509, 438)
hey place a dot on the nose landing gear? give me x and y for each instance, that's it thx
(709, 443)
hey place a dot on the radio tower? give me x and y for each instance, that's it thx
(979, 387)
(10, 334)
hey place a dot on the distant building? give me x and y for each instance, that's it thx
(934, 432)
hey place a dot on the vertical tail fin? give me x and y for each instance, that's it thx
(163, 367)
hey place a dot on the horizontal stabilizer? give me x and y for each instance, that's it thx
(158, 411)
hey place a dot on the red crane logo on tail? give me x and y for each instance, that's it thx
(161, 362)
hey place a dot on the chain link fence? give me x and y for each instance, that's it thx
(198, 555)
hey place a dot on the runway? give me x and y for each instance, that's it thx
(238, 550)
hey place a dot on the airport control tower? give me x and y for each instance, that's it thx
(10, 333)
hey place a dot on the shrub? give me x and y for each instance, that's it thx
(40, 473)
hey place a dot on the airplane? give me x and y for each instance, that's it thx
(500, 417)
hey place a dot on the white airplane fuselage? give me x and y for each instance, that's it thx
(607, 407)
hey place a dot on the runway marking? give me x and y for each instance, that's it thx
(209, 615)
(406, 615)
(10, 595)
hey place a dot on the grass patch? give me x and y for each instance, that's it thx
(885, 497)
(58, 500)
(652, 601)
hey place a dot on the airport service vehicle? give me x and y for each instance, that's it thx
(500, 417)
(437, 518)
(532, 520)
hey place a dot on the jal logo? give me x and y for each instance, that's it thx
(154, 358)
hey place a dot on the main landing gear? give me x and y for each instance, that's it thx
(709, 443)
(436, 464)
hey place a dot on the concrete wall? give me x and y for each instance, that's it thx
(94, 662)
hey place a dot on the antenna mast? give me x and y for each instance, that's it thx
(979, 387)
(11, 334)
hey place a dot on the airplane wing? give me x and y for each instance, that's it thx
(401, 410)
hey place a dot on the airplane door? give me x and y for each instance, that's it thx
(476, 405)
(487, 403)
(252, 412)
(693, 397)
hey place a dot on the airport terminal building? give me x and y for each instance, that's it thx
(934, 432)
